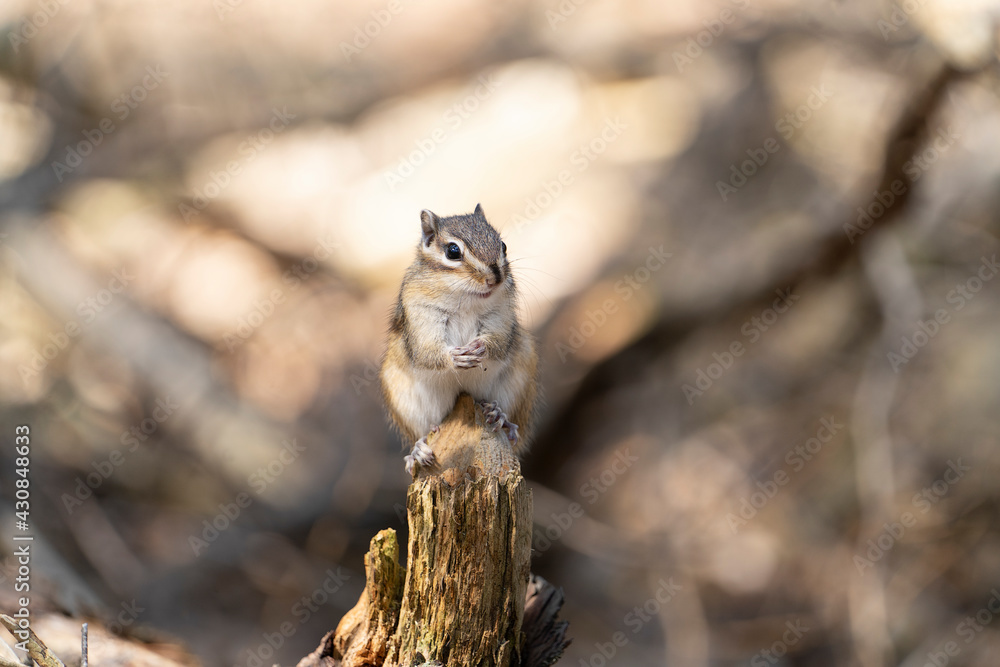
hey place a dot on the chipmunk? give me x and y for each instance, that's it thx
(455, 329)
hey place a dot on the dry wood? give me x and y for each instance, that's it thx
(37, 650)
(462, 598)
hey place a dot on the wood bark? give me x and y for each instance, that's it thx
(461, 598)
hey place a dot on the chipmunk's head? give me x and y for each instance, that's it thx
(467, 248)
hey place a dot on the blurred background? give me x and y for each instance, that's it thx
(756, 239)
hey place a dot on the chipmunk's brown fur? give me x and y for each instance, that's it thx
(455, 329)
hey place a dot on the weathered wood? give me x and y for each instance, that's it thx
(461, 599)
(37, 650)
(466, 447)
(545, 635)
(362, 637)
(467, 572)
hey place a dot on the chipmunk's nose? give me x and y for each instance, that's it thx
(496, 275)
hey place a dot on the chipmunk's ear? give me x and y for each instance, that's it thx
(429, 227)
(479, 211)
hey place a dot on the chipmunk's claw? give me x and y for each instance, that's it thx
(496, 418)
(469, 356)
(421, 454)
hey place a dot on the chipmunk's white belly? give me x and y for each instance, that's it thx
(432, 393)
(461, 328)
(483, 382)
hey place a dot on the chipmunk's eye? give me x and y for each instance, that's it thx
(452, 251)
(504, 246)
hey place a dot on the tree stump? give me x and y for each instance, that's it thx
(461, 600)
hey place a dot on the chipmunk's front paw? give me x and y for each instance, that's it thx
(469, 356)
(496, 418)
(421, 454)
